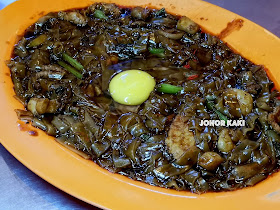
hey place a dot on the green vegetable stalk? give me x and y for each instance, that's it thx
(99, 14)
(157, 51)
(72, 61)
(167, 88)
(37, 41)
(160, 12)
(70, 69)
(211, 105)
(145, 137)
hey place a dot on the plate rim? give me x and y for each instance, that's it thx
(158, 193)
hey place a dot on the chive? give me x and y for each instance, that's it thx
(210, 105)
(156, 50)
(37, 41)
(70, 69)
(211, 97)
(72, 61)
(221, 116)
(167, 88)
(145, 137)
(160, 12)
(99, 14)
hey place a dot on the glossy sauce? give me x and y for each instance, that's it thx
(234, 25)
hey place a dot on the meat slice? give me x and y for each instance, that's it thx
(179, 139)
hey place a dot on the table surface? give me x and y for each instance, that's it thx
(22, 189)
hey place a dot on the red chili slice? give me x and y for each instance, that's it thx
(187, 66)
(192, 77)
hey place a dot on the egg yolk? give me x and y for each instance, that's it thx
(131, 87)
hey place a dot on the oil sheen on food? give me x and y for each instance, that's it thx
(128, 88)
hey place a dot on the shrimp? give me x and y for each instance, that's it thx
(238, 102)
(225, 143)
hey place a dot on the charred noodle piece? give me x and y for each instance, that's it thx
(44, 125)
(189, 157)
(243, 151)
(24, 115)
(275, 139)
(80, 132)
(20, 48)
(160, 141)
(39, 124)
(119, 160)
(168, 170)
(131, 150)
(255, 179)
(78, 152)
(100, 147)
(60, 125)
(245, 172)
(50, 128)
(90, 124)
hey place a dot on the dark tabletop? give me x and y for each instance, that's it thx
(22, 189)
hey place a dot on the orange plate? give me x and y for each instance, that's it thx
(86, 180)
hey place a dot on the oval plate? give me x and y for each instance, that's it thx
(86, 180)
